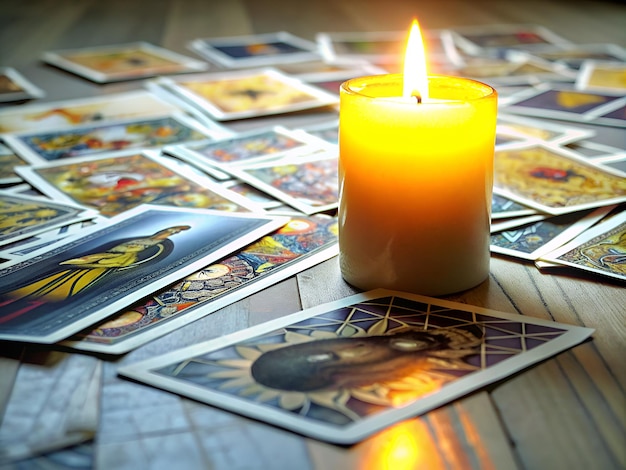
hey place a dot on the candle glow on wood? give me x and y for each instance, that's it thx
(415, 181)
(415, 82)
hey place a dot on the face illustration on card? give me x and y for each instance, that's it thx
(344, 370)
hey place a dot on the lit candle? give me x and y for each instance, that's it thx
(415, 175)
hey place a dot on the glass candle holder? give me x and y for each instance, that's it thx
(415, 184)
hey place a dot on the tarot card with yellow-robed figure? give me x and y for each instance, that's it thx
(78, 281)
(554, 180)
(344, 370)
(247, 93)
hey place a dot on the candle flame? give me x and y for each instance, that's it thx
(415, 76)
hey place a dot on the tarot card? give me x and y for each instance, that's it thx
(328, 131)
(308, 182)
(540, 129)
(255, 50)
(302, 372)
(535, 239)
(250, 192)
(566, 104)
(477, 40)
(8, 161)
(15, 87)
(318, 71)
(247, 93)
(147, 132)
(115, 183)
(57, 114)
(302, 243)
(246, 148)
(574, 55)
(23, 216)
(381, 47)
(81, 280)
(122, 62)
(554, 180)
(504, 208)
(604, 76)
(601, 249)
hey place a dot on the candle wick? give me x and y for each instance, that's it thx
(417, 96)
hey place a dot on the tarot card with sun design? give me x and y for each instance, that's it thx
(554, 180)
(341, 371)
(23, 216)
(546, 101)
(247, 93)
(600, 250)
(535, 238)
(303, 242)
(122, 62)
(115, 182)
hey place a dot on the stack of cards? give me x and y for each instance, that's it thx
(126, 216)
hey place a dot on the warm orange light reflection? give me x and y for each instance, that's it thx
(415, 75)
(406, 446)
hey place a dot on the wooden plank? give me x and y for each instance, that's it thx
(549, 426)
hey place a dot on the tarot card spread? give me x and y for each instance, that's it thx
(81, 280)
(302, 243)
(344, 370)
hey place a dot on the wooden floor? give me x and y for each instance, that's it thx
(568, 412)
